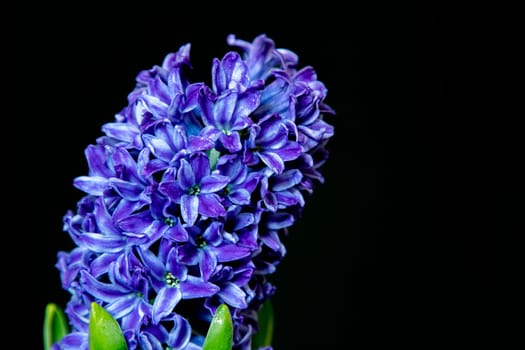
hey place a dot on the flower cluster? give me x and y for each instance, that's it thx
(189, 193)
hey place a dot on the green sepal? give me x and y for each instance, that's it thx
(264, 335)
(104, 331)
(55, 325)
(213, 156)
(220, 333)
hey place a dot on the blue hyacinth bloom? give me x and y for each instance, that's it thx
(189, 194)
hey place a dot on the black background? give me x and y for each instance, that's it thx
(409, 242)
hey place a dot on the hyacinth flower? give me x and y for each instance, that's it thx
(195, 189)
(189, 194)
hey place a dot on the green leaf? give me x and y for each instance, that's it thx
(264, 335)
(104, 331)
(220, 333)
(55, 325)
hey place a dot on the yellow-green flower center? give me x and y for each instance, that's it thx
(194, 190)
(200, 241)
(171, 280)
(169, 221)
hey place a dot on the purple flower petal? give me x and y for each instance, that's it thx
(290, 197)
(148, 340)
(148, 119)
(210, 132)
(223, 109)
(136, 223)
(123, 306)
(230, 73)
(135, 319)
(200, 165)
(265, 268)
(93, 185)
(186, 175)
(243, 220)
(159, 88)
(172, 190)
(193, 93)
(125, 208)
(280, 220)
(177, 233)
(100, 265)
(213, 183)
(102, 243)
(239, 196)
(153, 166)
(159, 147)
(208, 262)
(271, 239)
(104, 220)
(178, 136)
(245, 106)
(178, 59)
(167, 298)
(128, 190)
(198, 143)
(248, 237)
(121, 131)
(180, 333)
(317, 130)
(243, 275)
(231, 252)
(273, 161)
(273, 133)
(210, 205)
(174, 266)
(286, 180)
(231, 141)
(270, 200)
(152, 263)
(290, 151)
(125, 165)
(73, 341)
(251, 181)
(96, 158)
(205, 103)
(213, 233)
(194, 287)
(103, 291)
(155, 105)
(218, 77)
(138, 238)
(189, 207)
(233, 295)
(188, 254)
